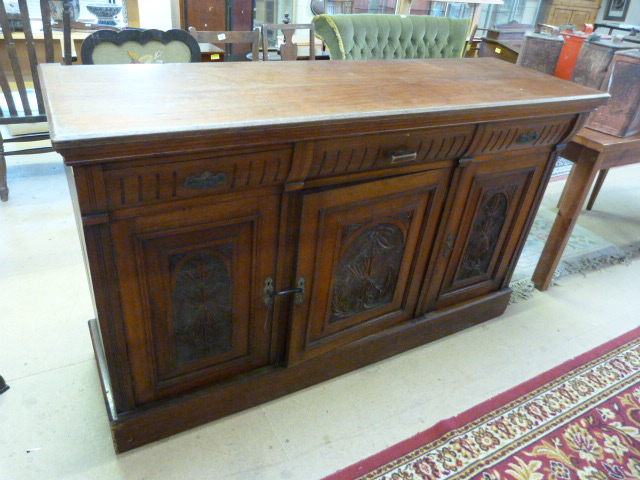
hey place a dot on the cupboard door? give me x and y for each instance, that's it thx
(219, 15)
(204, 15)
(216, 15)
(485, 227)
(362, 254)
(192, 291)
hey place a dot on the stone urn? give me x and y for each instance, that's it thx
(105, 12)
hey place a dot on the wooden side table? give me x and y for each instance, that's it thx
(211, 53)
(499, 49)
(591, 152)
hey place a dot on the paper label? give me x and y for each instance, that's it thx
(222, 36)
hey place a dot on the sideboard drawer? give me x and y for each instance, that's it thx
(177, 180)
(369, 152)
(498, 137)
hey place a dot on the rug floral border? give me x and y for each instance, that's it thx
(473, 447)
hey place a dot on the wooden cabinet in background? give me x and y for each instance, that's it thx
(571, 12)
(244, 243)
(217, 15)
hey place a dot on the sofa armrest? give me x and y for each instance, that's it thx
(327, 31)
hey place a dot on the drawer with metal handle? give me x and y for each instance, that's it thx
(520, 134)
(211, 175)
(364, 153)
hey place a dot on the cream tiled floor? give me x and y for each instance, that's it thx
(53, 424)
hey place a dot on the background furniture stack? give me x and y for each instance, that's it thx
(595, 61)
(621, 115)
(502, 41)
(541, 49)
(610, 139)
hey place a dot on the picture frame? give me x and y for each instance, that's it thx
(616, 10)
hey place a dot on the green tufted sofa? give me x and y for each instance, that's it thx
(366, 36)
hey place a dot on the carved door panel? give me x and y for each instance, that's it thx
(363, 252)
(581, 17)
(484, 228)
(192, 288)
(559, 15)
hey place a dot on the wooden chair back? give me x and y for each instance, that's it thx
(229, 39)
(288, 49)
(21, 50)
(20, 54)
(139, 46)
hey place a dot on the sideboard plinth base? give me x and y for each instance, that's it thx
(165, 418)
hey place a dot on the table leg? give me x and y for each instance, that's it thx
(573, 198)
(596, 188)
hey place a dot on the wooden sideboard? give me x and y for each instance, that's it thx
(252, 229)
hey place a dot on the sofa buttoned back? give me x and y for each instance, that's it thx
(365, 36)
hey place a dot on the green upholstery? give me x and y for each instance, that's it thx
(366, 36)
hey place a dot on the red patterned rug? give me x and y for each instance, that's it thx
(579, 421)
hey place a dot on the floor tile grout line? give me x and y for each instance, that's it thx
(17, 379)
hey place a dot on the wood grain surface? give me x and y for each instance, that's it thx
(122, 101)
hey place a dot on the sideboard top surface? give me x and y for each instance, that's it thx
(103, 104)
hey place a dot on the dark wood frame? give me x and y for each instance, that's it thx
(609, 8)
(140, 36)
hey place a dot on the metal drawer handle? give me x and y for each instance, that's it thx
(528, 137)
(400, 156)
(270, 293)
(206, 180)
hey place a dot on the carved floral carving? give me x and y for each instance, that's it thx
(201, 297)
(368, 270)
(484, 236)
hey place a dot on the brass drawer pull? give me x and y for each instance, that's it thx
(206, 180)
(528, 137)
(401, 156)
